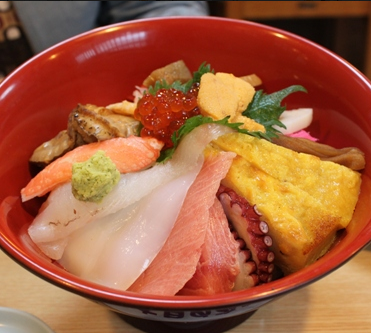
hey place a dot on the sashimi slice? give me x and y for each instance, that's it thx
(63, 214)
(176, 263)
(129, 154)
(218, 266)
(115, 250)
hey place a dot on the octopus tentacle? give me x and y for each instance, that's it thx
(255, 257)
(247, 277)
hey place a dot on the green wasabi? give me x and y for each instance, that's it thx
(93, 179)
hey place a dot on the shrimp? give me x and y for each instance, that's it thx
(129, 155)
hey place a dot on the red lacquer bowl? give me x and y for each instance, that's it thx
(103, 66)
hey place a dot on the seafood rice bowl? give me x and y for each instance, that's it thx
(177, 182)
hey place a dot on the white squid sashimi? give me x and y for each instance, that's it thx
(295, 120)
(116, 249)
(62, 214)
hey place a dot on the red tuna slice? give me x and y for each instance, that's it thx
(218, 266)
(176, 262)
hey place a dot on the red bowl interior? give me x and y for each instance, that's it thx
(103, 66)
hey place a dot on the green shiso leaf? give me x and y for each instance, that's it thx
(193, 122)
(266, 109)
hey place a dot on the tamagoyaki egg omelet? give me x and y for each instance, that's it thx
(304, 200)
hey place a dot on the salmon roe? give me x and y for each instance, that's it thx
(165, 112)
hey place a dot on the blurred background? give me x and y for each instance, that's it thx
(341, 26)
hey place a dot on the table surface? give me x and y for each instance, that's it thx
(340, 302)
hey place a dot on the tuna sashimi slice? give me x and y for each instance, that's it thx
(218, 266)
(176, 262)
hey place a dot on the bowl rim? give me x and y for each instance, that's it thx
(224, 20)
(258, 293)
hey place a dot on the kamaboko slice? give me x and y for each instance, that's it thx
(176, 263)
(62, 213)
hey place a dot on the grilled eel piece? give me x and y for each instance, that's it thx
(86, 123)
